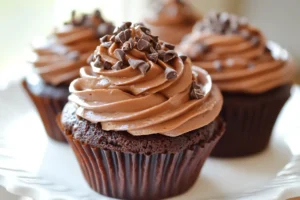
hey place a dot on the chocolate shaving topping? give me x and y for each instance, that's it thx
(170, 73)
(127, 34)
(140, 64)
(106, 44)
(196, 91)
(143, 45)
(112, 38)
(144, 67)
(158, 46)
(128, 45)
(138, 24)
(121, 37)
(97, 62)
(120, 55)
(145, 30)
(161, 54)
(73, 55)
(153, 57)
(107, 65)
(169, 46)
(134, 63)
(104, 39)
(183, 58)
(221, 23)
(146, 37)
(170, 55)
(152, 50)
(125, 25)
(117, 66)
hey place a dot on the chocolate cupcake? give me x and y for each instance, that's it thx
(139, 121)
(253, 74)
(57, 63)
(171, 20)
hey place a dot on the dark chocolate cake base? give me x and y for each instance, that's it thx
(249, 121)
(120, 165)
(49, 102)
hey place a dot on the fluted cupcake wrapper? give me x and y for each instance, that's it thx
(48, 109)
(139, 176)
(249, 122)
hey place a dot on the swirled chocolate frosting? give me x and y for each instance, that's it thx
(171, 19)
(237, 55)
(61, 55)
(139, 84)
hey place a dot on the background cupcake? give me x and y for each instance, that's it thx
(171, 20)
(57, 63)
(139, 121)
(253, 74)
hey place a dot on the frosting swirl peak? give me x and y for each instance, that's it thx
(58, 59)
(236, 54)
(139, 84)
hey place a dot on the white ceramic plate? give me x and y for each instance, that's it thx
(34, 166)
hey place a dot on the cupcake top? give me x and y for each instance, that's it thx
(60, 56)
(237, 55)
(139, 84)
(172, 12)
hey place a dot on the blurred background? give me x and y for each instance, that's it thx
(21, 21)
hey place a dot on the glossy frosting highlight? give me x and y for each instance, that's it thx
(58, 58)
(237, 55)
(144, 103)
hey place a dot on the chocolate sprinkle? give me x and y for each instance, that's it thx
(143, 45)
(117, 66)
(170, 73)
(104, 39)
(196, 91)
(170, 55)
(144, 67)
(120, 54)
(97, 62)
(169, 46)
(152, 50)
(107, 65)
(112, 38)
(127, 34)
(121, 37)
(128, 45)
(146, 37)
(134, 63)
(138, 24)
(161, 54)
(153, 57)
(183, 58)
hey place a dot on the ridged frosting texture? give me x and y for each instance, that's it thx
(139, 84)
(172, 12)
(237, 55)
(58, 58)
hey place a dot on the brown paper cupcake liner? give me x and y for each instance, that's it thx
(139, 176)
(48, 108)
(249, 122)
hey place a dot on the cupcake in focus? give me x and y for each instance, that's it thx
(140, 122)
(57, 62)
(254, 75)
(171, 20)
